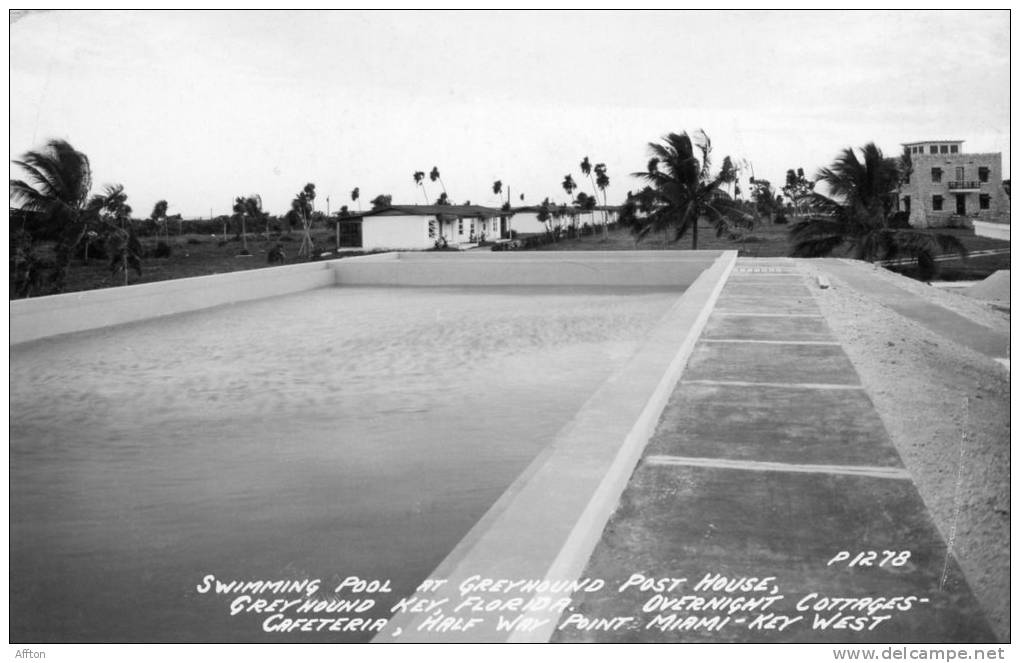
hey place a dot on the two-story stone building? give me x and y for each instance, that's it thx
(950, 187)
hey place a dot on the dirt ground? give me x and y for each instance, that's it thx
(946, 409)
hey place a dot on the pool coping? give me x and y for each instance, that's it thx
(44, 317)
(547, 523)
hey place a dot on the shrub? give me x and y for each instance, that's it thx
(276, 255)
(162, 250)
(194, 240)
(899, 220)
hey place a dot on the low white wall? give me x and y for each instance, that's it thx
(40, 317)
(993, 230)
(613, 268)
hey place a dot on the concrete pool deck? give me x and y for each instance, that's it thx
(770, 460)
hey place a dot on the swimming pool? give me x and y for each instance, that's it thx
(356, 430)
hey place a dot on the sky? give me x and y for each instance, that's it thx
(199, 107)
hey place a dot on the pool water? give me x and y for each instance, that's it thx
(337, 432)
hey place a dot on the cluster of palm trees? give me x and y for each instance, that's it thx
(434, 176)
(55, 195)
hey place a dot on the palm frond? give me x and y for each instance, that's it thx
(817, 237)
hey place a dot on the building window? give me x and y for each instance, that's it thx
(954, 149)
(936, 203)
(959, 173)
(983, 174)
(906, 204)
(985, 200)
(936, 175)
(944, 149)
(432, 228)
(460, 226)
(933, 149)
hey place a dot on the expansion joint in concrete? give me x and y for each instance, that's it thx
(766, 315)
(787, 385)
(764, 341)
(765, 466)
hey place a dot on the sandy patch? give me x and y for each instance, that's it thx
(946, 409)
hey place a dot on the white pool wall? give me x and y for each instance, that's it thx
(41, 317)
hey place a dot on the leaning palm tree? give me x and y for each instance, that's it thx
(419, 179)
(683, 190)
(54, 192)
(434, 176)
(857, 215)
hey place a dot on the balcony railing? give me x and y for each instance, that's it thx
(965, 185)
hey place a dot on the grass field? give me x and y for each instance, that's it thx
(193, 255)
(772, 241)
(201, 255)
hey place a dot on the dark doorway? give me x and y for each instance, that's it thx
(502, 228)
(906, 204)
(961, 203)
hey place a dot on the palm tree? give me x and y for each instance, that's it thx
(586, 171)
(602, 181)
(356, 196)
(419, 179)
(158, 216)
(301, 209)
(569, 185)
(434, 175)
(249, 207)
(123, 246)
(858, 215)
(685, 190)
(497, 187)
(55, 191)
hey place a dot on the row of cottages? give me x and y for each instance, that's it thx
(950, 187)
(418, 227)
